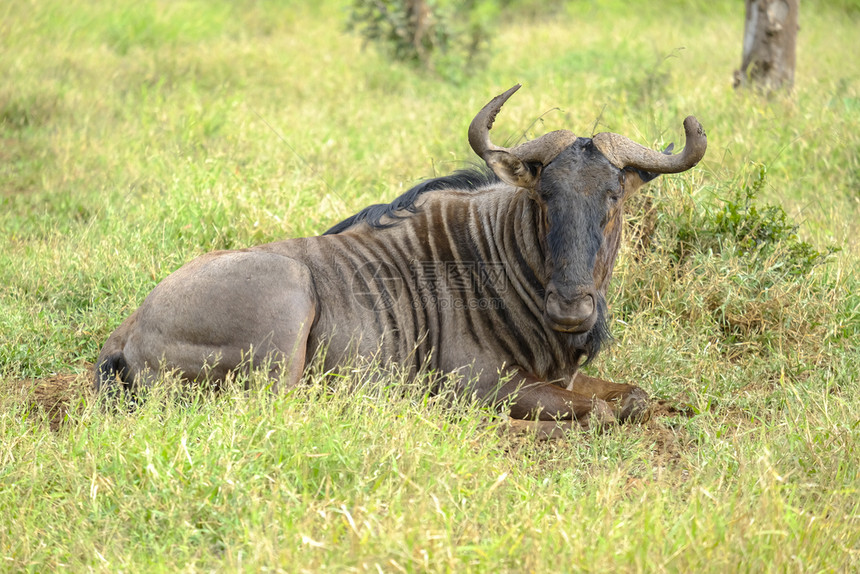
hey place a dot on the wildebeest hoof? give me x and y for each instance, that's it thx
(635, 407)
(601, 417)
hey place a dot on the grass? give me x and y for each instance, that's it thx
(134, 136)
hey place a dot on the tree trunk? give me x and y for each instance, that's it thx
(418, 16)
(770, 38)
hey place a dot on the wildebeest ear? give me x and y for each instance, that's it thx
(511, 169)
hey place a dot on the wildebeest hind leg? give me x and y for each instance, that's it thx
(629, 402)
(224, 312)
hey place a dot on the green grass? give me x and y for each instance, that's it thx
(136, 135)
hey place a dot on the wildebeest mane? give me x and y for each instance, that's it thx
(466, 180)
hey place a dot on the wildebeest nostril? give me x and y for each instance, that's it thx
(576, 316)
(583, 307)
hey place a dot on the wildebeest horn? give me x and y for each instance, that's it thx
(479, 129)
(622, 152)
(541, 150)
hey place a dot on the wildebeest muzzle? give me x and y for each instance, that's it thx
(576, 313)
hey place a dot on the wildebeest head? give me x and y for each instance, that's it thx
(581, 185)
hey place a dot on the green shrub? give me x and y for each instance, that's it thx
(445, 37)
(756, 232)
(733, 269)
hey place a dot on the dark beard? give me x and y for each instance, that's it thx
(599, 335)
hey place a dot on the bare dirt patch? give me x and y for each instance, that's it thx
(662, 443)
(54, 397)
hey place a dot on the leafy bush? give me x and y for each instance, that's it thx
(445, 37)
(733, 269)
(756, 232)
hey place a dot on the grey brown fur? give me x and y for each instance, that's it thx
(502, 282)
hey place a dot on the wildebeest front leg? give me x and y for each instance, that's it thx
(629, 402)
(550, 410)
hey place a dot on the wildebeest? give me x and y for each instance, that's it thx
(497, 275)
